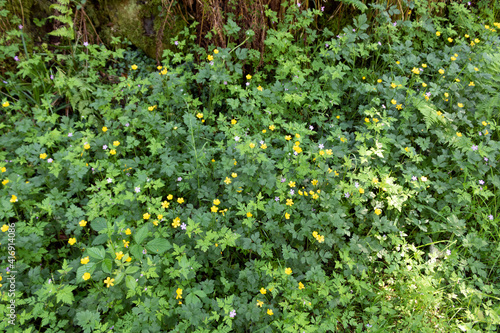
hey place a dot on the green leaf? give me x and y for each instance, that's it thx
(130, 282)
(96, 252)
(101, 239)
(99, 224)
(141, 234)
(65, 295)
(107, 265)
(158, 245)
(132, 269)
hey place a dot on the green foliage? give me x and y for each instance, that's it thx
(348, 184)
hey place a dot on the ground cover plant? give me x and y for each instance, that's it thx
(350, 184)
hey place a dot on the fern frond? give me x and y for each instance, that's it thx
(428, 111)
(356, 3)
(63, 32)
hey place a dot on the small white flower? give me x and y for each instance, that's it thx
(109, 180)
(236, 138)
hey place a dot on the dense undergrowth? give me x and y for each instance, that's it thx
(350, 184)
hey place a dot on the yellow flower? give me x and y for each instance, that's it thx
(112, 152)
(4, 169)
(263, 291)
(399, 106)
(5, 104)
(129, 259)
(378, 211)
(321, 238)
(134, 67)
(159, 216)
(297, 149)
(476, 40)
(210, 58)
(287, 216)
(471, 84)
(179, 293)
(361, 191)
(441, 71)
(297, 135)
(438, 33)
(272, 127)
(270, 312)
(415, 70)
(165, 204)
(199, 115)
(486, 132)
(301, 286)
(484, 123)
(233, 121)
(259, 88)
(83, 223)
(315, 234)
(177, 222)
(446, 95)
(459, 134)
(86, 276)
(5, 182)
(146, 216)
(291, 184)
(72, 241)
(252, 145)
(458, 80)
(453, 58)
(214, 209)
(164, 72)
(155, 222)
(338, 117)
(423, 178)
(5, 227)
(314, 182)
(84, 261)
(375, 180)
(128, 231)
(379, 80)
(234, 175)
(288, 271)
(424, 65)
(249, 76)
(424, 84)
(216, 202)
(125, 243)
(364, 78)
(289, 202)
(43, 156)
(13, 198)
(216, 51)
(466, 36)
(335, 173)
(109, 282)
(104, 129)
(249, 214)
(116, 143)
(393, 102)
(227, 181)
(180, 200)
(460, 105)
(476, 69)
(264, 146)
(260, 303)
(264, 131)
(397, 62)
(450, 39)
(159, 67)
(393, 85)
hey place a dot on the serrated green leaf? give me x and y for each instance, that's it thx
(158, 245)
(141, 234)
(96, 252)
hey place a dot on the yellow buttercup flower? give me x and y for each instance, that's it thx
(233, 121)
(109, 282)
(272, 127)
(471, 84)
(424, 65)
(146, 216)
(86, 276)
(165, 204)
(301, 286)
(128, 231)
(378, 211)
(252, 145)
(180, 200)
(112, 152)
(179, 293)
(260, 303)
(214, 209)
(415, 70)
(361, 191)
(438, 33)
(466, 36)
(289, 202)
(441, 71)
(216, 202)
(249, 214)
(43, 156)
(264, 146)
(5, 227)
(263, 291)
(83, 223)
(484, 123)
(459, 134)
(259, 88)
(3, 169)
(134, 67)
(450, 39)
(393, 85)
(393, 102)
(199, 115)
(5, 104)
(13, 198)
(288, 271)
(453, 58)
(424, 84)
(84, 261)
(379, 80)
(72, 241)
(234, 175)
(210, 57)
(177, 222)
(249, 76)
(270, 312)
(5, 182)
(86, 146)
(460, 105)
(287, 216)
(227, 181)
(216, 51)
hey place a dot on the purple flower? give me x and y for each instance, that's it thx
(50, 160)
(486, 159)
(321, 146)
(311, 127)
(481, 182)
(248, 83)
(448, 252)
(232, 314)
(490, 217)
(277, 199)
(428, 94)
(353, 30)
(292, 192)
(127, 125)
(383, 106)
(85, 44)
(225, 82)
(212, 63)
(295, 153)
(394, 24)
(109, 180)
(323, 8)
(283, 180)
(298, 4)
(183, 226)
(70, 134)
(51, 77)
(261, 142)
(16, 58)
(474, 147)
(480, 133)
(356, 184)
(144, 251)
(20, 27)
(347, 195)
(137, 189)
(176, 43)
(414, 178)
(179, 179)
(105, 147)
(379, 43)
